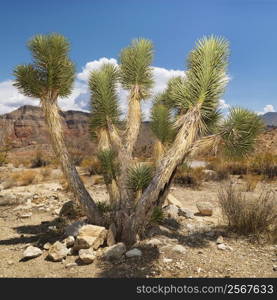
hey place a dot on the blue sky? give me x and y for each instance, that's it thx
(100, 28)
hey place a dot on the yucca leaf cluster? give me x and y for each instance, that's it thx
(104, 101)
(109, 164)
(139, 176)
(51, 74)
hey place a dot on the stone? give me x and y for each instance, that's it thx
(172, 200)
(167, 260)
(154, 242)
(274, 268)
(184, 212)
(179, 249)
(114, 252)
(32, 252)
(220, 240)
(58, 251)
(69, 241)
(70, 265)
(204, 208)
(171, 211)
(90, 236)
(87, 256)
(111, 235)
(47, 246)
(133, 252)
(25, 216)
(224, 247)
(73, 229)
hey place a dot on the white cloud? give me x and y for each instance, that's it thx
(266, 109)
(223, 105)
(11, 99)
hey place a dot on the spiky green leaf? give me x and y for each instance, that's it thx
(139, 177)
(104, 101)
(239, 131)
(52, 73)
(135, 66)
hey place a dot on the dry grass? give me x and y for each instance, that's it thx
(190, 177)
(248, 216)
(23, 178)
(251, 182)
(92, 165)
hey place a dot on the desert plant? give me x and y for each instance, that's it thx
(248, 215)
(157, 216)
(264, 164)
(193, 103)
(48, 77)
(39, 161)
(91, 165)
(190, 177)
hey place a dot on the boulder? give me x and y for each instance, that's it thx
(114, 252)
(179, 249)
(184, 212)
(58, 251)
(32, 252)
(69, 241)
(171, 200)
(90, 236)
(171, 211)
(87, 256)
(134, 252)
(204, 208)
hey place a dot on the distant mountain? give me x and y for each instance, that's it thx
(270, 119)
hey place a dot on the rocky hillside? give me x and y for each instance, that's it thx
(270, 119)
(26, 130)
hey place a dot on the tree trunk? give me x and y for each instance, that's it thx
(126, 152)
(156, 192)
(53, 121)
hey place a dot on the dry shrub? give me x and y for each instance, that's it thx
(39, 160)
(92, 165)
(264, 164)
(23, 178)
(45, 172)
(255, 215)
(191, 177)
(251, 182)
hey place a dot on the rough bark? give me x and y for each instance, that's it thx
(53, 121)
(156, 192)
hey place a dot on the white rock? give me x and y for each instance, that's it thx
(87, 256)
(25, 216)
(171, 211)
(154, 242)
(224, 247)
(133, 252)
(70, 265)
(69, 241)
(114, 252)
(220, 240)
(167, 260)
(32, 252)
(90, 236)
(58, 251)
(179, 249)
(173, 200)
(47, 246)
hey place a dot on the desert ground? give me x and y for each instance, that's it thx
(188, 245)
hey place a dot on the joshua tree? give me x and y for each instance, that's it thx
(50, 76)
(185, 118)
